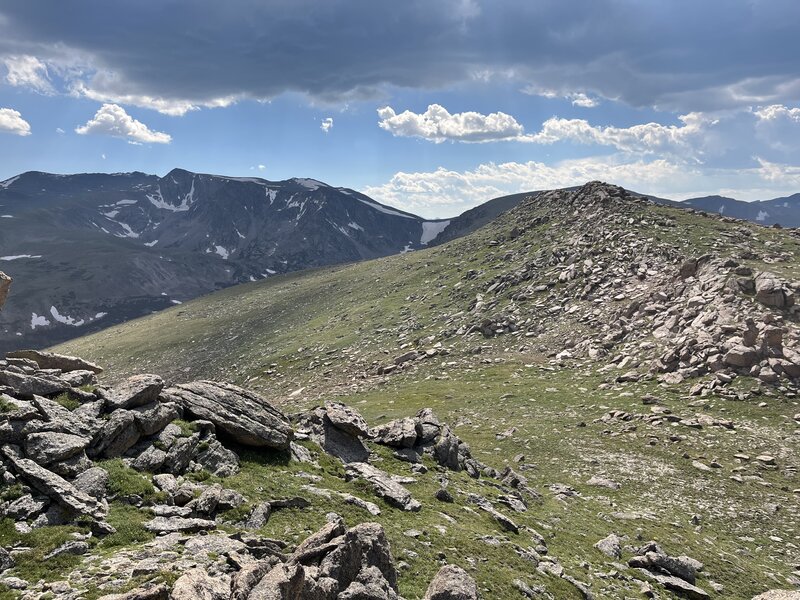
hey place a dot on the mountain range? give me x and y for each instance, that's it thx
(91, 250)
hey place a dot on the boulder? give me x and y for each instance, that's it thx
(93, 481)
(610, 546)
(244, 416)
(347, 419)
(770, 292)
(154, 592)
(118, 434)
(333, 440)
(452, 583)
(153, 417)
(391, 491)
(196, 584)
(400, 433)
(27, 386)
(50, 446)
(741, 356)
(55, 487)
(137, 390)
(51, 360)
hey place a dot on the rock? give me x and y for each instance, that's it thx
(400, 433)
(334, 441)
(282, 582)
(153, 417)
(394, 493)
(50, 446)
(6, 561)
(779, 595)
(677, 584)
(603, 482)
(93, 481)
(206, 503)
(428, 426)
(150, 460)
(452, 583)
(217, 459)
(72, 547)
(55, 487)
(24, 508)
(258, 516)
(347, 419)
(769, 290)
(196, 584)
(610, 546)
(501, 519)
(137, 390)
(444, 496)
(179, 524)
(5, 286)
(741, 356)
(155, 592)
(117, 435)
(246, 417)
(51, 360)
(28, 386)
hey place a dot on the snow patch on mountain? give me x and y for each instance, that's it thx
(38, 321)
(66, 320)
(762, 215)
(158, 201)
(18, 256)
(430, 229)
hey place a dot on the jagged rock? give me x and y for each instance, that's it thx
(51, 360)
(778, 595)
(27, 386)
(347, 419)
(400, 433)
(369, 585)
(501, 519)
(196, 584)
(6, 561)
(258, 516)
(452, 583)
(49, 446)
(155, 592)
(741, 356)
(150, 460)
(364, 545)
(394, 493)
(283, 581)
(24, 508)
(244, 416)
(154, 416)
(55, 487)
(180, 524)
(118, 434)
(676, 584)
(610, 546)
(428, 426)
(770, 292)
(79, 378)
(337, 442)
(137, 390)
(180, 454)
(206, 503)
(217, 459)
(681, 566)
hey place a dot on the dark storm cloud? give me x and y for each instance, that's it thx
(681, 54)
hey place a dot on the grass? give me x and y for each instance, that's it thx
(128, 521)
(67, 401)
(124, 481)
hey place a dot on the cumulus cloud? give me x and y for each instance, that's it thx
(582, 100)
(777, 112)
(28, 71)
(444, 192)
(326, 125)
(112, 120)
(708, 55)
(11, 121)
(438, 125)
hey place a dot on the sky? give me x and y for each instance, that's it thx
(432, 106)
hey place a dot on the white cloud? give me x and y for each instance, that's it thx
(648, 137)
(28, 71)
(784, 175)
(59, 130)
(11, 121)
(436, 124)
(777, 112)
(443, 193)
(112, 120)
(582, 100)
(107, 87)
(262, 167)
(326, 125)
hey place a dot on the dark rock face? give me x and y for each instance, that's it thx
(244, 416)
(181, 235)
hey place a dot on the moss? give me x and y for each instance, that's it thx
(187, 428)
(125, 481)
(11, 492)
(67, 401)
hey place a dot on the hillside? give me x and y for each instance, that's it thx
(636, 363)
(91, 250)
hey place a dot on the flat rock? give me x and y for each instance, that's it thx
(347, 419)
(173, 524)
(137, 390)
(779, 595)
(50, 446)
(394, 493)
(51, 360)
(244, 416)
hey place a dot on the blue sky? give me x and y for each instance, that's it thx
(433, 107)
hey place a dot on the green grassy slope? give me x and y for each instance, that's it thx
(301, 338)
